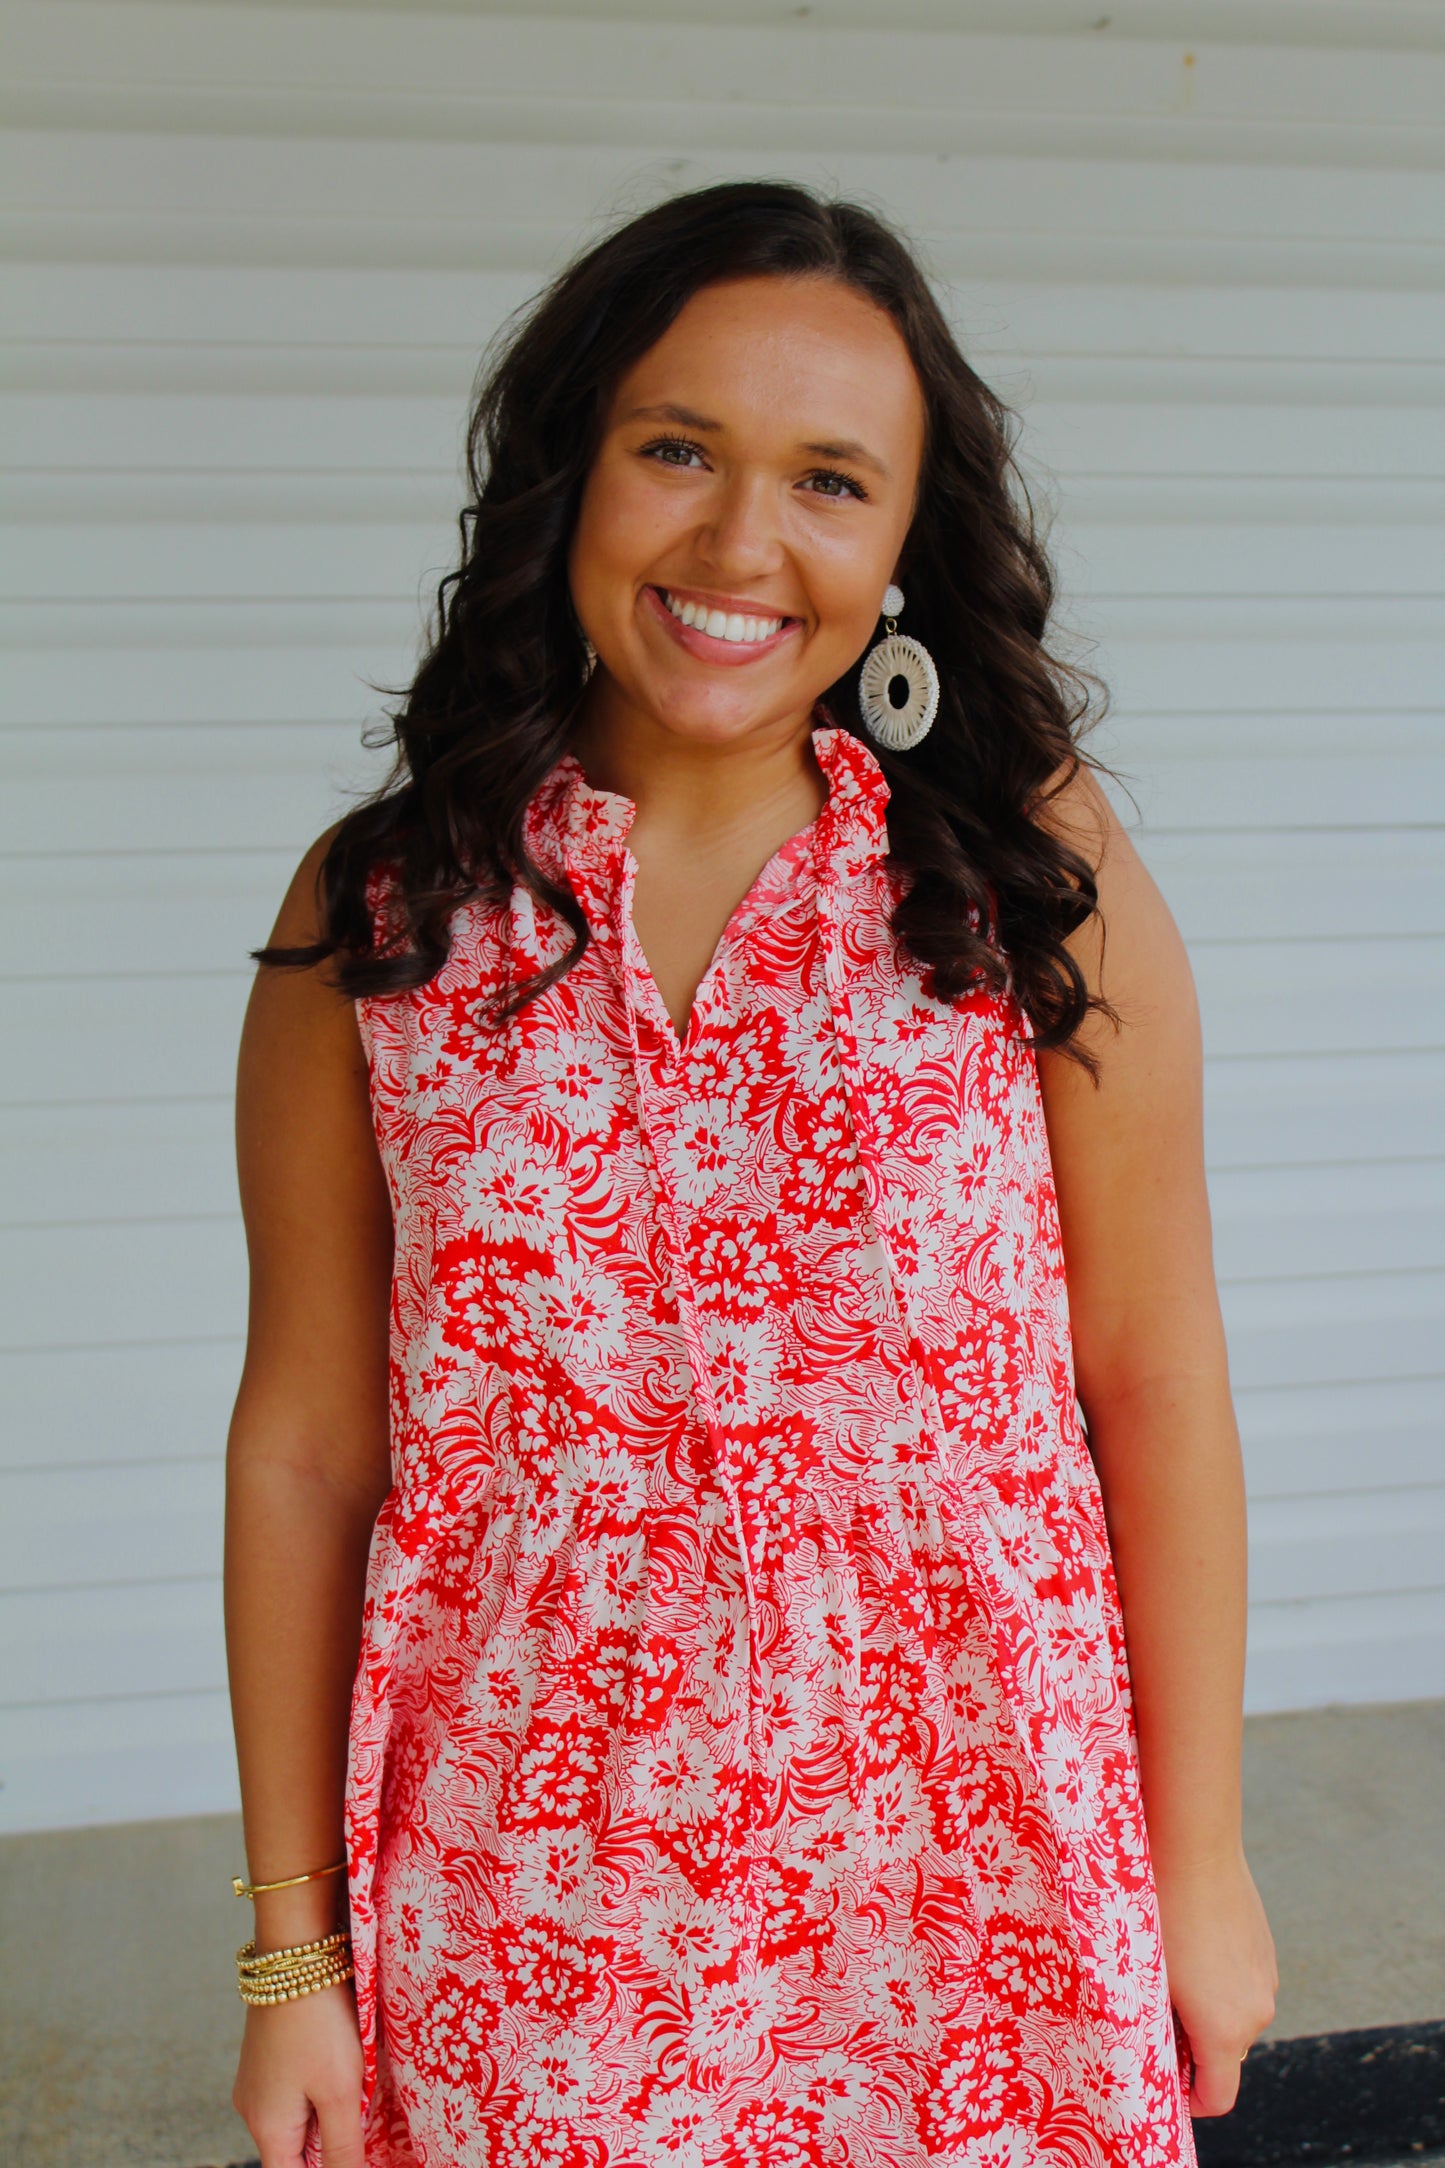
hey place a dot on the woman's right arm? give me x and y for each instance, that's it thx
(307, 1469)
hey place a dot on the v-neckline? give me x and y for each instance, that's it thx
(748, 907)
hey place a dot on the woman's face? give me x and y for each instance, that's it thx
(746, 509)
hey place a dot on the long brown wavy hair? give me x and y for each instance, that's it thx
(992, 892)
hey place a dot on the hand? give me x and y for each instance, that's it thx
(1222, 1973)
(302, 2060)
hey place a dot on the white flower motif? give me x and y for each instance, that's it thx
(830, 1624)
(742, 1362)
(974, 1695)
(577, 1081)
(969, 1170)
(1001, 1875)
(550, 1873)
(1123, 1947)
(1070, 1780)
(893, 1818)
(509, 1193)
(557, 2075)
(1110, 2079)
(680, 2130)
(606, 1482)
(681, 1935)
(900, 1999)
(505, 1682)
(836, 2087)
(612, 1592)
(810, 1046)
(436, 1379)
(824, 1846)
(674, 1780)
(787, 1720)
(720, 1671)
(1026, 1540)
(731, 2018)
(580, 1314)
(705, 1150)
(906, 1028)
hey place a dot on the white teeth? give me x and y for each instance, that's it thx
(723, 624)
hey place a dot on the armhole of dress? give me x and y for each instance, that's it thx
(370, 1008)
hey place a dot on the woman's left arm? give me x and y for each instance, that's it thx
(1153, 1381)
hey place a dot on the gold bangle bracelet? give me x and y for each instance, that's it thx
(303, 1968)
(292, 1881)
(251, 1959)
(259, 1998)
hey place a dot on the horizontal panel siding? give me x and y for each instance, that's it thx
(128, 1758)
(166, 1633)
(97, 1407)
(103, 1286)
(251, 257)
(116, 1527)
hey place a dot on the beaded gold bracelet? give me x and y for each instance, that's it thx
(304, 1968)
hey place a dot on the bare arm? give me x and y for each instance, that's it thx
(1153, 1382)
(307, 1469)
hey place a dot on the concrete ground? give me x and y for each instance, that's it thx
(119, 2019)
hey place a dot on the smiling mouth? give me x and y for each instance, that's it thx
(734, 626)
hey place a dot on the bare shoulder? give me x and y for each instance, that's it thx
(298, 922)
(316, 1207)
(302, 1104)
(1130, 949)
(1133, 931)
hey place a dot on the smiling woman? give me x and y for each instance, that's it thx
(843, 405)
(735, 1515)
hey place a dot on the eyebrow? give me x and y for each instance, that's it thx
(688, 418)
(849, 449)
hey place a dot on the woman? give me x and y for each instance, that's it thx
(751, 1095)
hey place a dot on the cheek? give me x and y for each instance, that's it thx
(848, 570)
(623, 522)
(847, 591)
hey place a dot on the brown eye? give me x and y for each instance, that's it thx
(672, 451)
(827, 482)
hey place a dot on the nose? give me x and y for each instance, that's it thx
(742, 536)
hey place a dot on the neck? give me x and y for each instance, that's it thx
(697, 787)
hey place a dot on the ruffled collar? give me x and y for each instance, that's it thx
(579, 831)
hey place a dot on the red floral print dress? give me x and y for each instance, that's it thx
(742, 1762)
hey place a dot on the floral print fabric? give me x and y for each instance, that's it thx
(742, 1767)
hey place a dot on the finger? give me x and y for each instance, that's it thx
(339, 2129)
(1216, 2081)
(281, 2148)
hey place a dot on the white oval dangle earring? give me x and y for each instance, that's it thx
(895, 662)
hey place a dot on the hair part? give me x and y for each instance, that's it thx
(993, 891)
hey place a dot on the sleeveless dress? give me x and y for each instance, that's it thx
(742, 1768)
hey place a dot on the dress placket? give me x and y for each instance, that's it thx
(656, 1057)
(844, 841)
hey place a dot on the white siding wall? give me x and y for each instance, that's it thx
(251, 254)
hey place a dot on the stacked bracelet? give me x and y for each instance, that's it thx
(284, 1975)
(292, 1881)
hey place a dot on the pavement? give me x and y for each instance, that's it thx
(119, 2020)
